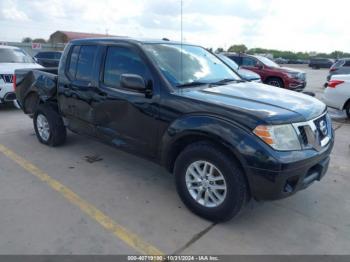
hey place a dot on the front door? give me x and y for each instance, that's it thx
(127, 119)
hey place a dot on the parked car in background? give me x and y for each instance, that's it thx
(317, 63)
(281, 60)
(296, 61)
(48, 58)
(337, 93)
(341, 67)
(12, 58)
(244, 73)
(224, 139)
(270, 72)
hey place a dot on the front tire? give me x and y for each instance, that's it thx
(210, 183)
(49, 126)
(273, 81)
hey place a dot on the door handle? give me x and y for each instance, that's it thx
(102, 93)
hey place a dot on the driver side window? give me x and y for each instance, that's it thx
(122, 60)
(248, 61)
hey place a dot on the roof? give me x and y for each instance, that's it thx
(50, 51)
(127, 39)
(79, 35)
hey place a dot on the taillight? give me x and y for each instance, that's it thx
(334, 83)
(14, 82)
(333, 69)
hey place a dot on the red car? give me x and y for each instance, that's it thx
(270, 72)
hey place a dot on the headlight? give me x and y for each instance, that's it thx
(293, 75)
(279, 137)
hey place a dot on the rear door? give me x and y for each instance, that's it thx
(76, 94)
(125, 118)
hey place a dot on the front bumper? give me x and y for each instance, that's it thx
(7, 93)
(270, 185)
(297, 85)
(289, 172)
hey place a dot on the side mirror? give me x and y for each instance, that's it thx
(259, 66)
(133, 82)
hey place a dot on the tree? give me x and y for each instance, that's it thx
(39, 40)
(238, 49)
(219, 50)
(26, 40)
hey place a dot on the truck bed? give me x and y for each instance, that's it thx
(33, 85)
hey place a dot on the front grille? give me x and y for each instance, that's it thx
(7, 78)
(314, 133)
(303, 135)
(10, 97)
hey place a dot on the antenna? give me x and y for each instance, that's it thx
(181, 41)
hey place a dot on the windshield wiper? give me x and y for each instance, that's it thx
(190, 84)
(226, 80)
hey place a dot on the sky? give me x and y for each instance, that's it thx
(298, 25)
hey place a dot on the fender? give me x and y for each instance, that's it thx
(227, 133)
(40, 82)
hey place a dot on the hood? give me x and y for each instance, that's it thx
(9, 68)
(270, 104)
(289, 69)
(247, 74)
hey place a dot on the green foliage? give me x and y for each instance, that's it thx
(219, 50)
(238, 49)
(39, 40)
(26, 40)
(297, 55)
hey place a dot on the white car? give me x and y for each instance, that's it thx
(12, 58)
(337, 93)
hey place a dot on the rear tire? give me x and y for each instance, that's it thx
(49, 126)
(274, 81)
(219, 173)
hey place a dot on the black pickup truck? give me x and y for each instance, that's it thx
(224, 139)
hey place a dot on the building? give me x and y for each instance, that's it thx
(66, 36)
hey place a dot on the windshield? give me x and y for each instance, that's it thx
(186, 64)
(229, 61)
(14, 56)
(267, 61)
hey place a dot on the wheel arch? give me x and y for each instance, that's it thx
(275, 77)
(225, 136)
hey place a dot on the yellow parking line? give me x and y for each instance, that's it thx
(119, 231)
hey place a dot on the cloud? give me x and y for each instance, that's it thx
(8, 11)
(297, 25)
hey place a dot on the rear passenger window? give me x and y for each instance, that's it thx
(347, 63)
(236, 59)
(122, 60)
(72, 69)
(86, 62)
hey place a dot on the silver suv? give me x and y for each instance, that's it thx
(341, 67)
